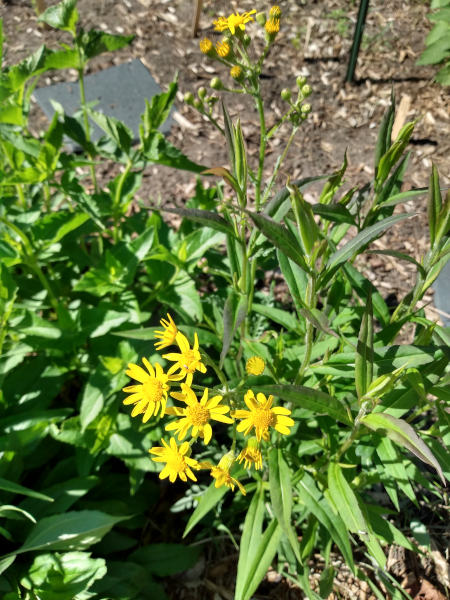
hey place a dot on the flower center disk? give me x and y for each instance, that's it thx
(188, 358)
(198, 415)
(153, 390)
(262, 418)
(176, 462)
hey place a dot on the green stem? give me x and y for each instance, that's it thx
(310, 301)
(33, 264)
(277, 168)
(85, 115)
(117, 198)
(251, 293)
(46, 191)
(262, 148)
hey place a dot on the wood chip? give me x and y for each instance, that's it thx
(400, 117)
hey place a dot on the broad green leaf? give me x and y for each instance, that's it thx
(335, 213)
(364, 352)
(320, 508)
(63, 15)
(262, 558)
(11, 114)
(115, 129)
(313, 400)
(166, 559)
(70, 531)
(54, 226)
(183, 298)
(251, 536)
(15, 488)
(98, 42)
(8, 292)
(319, 320)
(345, 500)
(204, 217)
(402, 433)
(393, 465)
(280, 237)
(199, 241)
(415, 379)
(436, 52)
(387, 480)
(233, 315)
(282, 317)
(281, 496)
(364, 237)
(160, 151)
(442, 454)
(326, 582)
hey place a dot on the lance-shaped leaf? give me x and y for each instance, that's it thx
(319, 320)
(337, 213)
(15, 488)
(444, 424)
(434, 203)
(363, 287)
(443, 222)
(415, 379)
(364, 237)
(306, 397)
(281, 496)
(204, 217)
(280, 237)
(304, 217)
(233, 315)
(384, 134)
(345, 500)
(225, 174)
(403, 197)
(384, 384)
(229, 136)
(400, 256)
(393, 154)
(393, 465)
(402, 433)
(251, 536)
(333, 184)
(296, 285)
(280, 204)
(364, 352)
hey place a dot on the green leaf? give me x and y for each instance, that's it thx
(434, 203)
(54, 226)
(435, 53)
(402, 433)
(364, 352)
(160, 151)
(281, 496)
(308, 398)
(295, 277)
(388, 532)
(158, 110)
(251, 536)
(229, 136)
(63, 576)
(8, 292)
(61, 59)
(166, 559)
(335, 213)
(11, 114)
(262, 559)
(345, 500)
(319, 320)
(333, 184)
(233, 315)
(326, 582)
(115, 129)
(400, 256)
(61, 16)
(280, 204)
(204, 217)
(393, 465)
(70, 531)
(15, 488)
(207, 502)
(384, 135)
(403, 196)
(280, 237)
(363, 287)
(199, 241)
(443, 76)
(98, 42)
(282, 317)
(183, 298)
(6, 563)
(364, 237)
(332, 522)
(444, 424)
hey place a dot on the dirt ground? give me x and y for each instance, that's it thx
(315, 40)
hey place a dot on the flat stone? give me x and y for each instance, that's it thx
(119, 91)
(442, 293)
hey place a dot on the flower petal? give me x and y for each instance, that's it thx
(282, 420)
(207, 430)
(137, 373)
(190, 474)
(151, 370)
(282, 429)
(165, 472)
(280, 410)
(221, 418)
(133, 399)
(182, 342)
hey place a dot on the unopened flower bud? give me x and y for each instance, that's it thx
(237, 74)
(216, 84)
(227, 461)
(301, 81)
(275, 12)
(206, 46)
(272, 28)
(223, 49)
(213, 99)
(246, 40)
(306, 90)
(303, 116)
(286, 94)
(198, 104)
(221, 208)
(306, 109)
(202, 93)
(189, 98)
(261, 18)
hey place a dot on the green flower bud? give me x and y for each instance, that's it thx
(246, 40)
(261, 18)
(286, 94)
(306, 90)
(189, 98)
(301, 81)
(202, 93)
(237, 74)
(213, 99)
(198, 104)
(303, 117)
(216, 84)
(306, 109)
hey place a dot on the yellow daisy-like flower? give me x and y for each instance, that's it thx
(275, 12)
(272, 26)
(206, 46)
(221, 473)
(251, 454)
(168, 335)
(261, 416)
(152, 393)
(237, 73)
(179, 464)
(234, 22)
(255, 365)
(223, 49)
(188, 360)
(197, 414)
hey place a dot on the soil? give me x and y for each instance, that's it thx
(314, 41)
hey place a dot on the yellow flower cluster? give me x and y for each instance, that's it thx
(150, 397)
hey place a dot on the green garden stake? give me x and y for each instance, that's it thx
(362, 14)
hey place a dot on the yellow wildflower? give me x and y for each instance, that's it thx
(206, 46)
(152, 393)
(251, 454)
(261, 416)
(223, 49)
(255, 365)
(272, 26)
(275, 13)
(168, 335)
(234, 22)
(197, 414)
(178, 461)
(221, 473)
(188, 360)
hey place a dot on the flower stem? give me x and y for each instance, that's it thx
(310, 302)
(262, 148)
